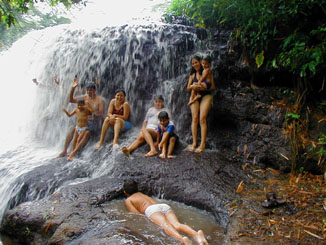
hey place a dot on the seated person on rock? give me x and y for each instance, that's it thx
(148, 131)
(82, 112)
(160, 214)
(166, 137)
(94, 120)
(117, 118)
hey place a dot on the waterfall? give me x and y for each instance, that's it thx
(145, 60)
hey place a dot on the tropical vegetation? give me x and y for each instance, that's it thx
(277, 37)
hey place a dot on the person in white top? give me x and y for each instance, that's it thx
(149, 129)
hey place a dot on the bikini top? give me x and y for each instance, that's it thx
(195, 79)
(118, 111)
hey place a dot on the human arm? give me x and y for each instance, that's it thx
(192, 86)
(90, 108)
(164, 140)
(67, 113)
(130, 206)
(73, 86)
(55, 79)
(157, 139)
(126, 112)
(101, 105)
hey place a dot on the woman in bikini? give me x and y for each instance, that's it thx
(118, 114)
(201, 107)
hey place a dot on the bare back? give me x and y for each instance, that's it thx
(138, 202)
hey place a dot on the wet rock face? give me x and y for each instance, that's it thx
(244, 127)
(200, 180)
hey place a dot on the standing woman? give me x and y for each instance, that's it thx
(201, 107)
(118, 113)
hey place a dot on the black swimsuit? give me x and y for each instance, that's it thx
(203, 92)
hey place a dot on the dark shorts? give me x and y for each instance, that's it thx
(95, 126)
(173, 135)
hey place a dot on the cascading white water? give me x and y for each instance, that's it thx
(139, 58)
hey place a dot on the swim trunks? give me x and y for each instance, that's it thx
(80, 130)
(127, 126)
(162, 208)
(208, 84)
(94, 126)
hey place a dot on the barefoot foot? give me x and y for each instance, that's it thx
(186, 241)
(62, 154)
(71, 156)
(115, 146)
(171, 156)
(162, 155)
(151, 154)
(200, 149)
(98, 146)
(125, 151)
(201, 238)
(191, 147)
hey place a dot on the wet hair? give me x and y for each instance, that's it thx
(158, 97)
(163, 115)
(90, 85)
(208, 59)
(193, 70)
(130, 187)
(120, 90)
(81, 100)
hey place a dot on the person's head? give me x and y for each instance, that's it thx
(206, 62)
(80, 103)
(91, 89)
(120, 95)
(158, 102)
(196, 65)
(130, 187)
(163, 117)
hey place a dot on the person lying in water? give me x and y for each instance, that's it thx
(82, 112)
(160, 214)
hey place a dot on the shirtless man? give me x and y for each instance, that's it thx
(160, 214)
(94, 120)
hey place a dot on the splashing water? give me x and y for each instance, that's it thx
(144, 58)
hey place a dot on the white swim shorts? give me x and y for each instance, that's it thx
(152, 126)
(80, 130)
(162, 207)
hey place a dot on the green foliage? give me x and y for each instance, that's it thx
(292, 115)
(35, 20)
(10, 10)
(291, 33)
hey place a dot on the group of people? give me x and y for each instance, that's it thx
(158, 131)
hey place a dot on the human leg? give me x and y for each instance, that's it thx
(105, 127)
(118, 126)
(69, 137)
(194, 96)
(172, 141)
(149, 134)
(163, 154)
(161, 220)
(199, 236)
(82, 140)
(205, 106)
(194, 124)
(140, 140)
